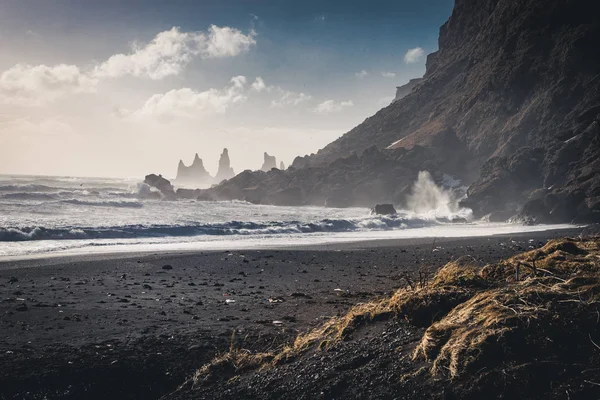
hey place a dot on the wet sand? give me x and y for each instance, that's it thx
(135, 326)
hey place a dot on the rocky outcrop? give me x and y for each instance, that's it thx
(194, 174)
(160, 183)
(404, 90)
(374, 176)
(505, 182)
(269, 162)
(282, 166)
(225, 171)
(383, 209)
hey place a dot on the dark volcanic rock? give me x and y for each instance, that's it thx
(506, 182)
(384, 209)
(359, 180)
(162, 184)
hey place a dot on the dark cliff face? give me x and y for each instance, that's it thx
(509, 74)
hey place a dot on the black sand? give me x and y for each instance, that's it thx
(135, 326)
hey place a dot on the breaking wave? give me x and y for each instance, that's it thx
(27, 188)
(120, 204)
(28, 196)
(227, 228)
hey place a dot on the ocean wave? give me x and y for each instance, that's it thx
(28, 196)
(120, 204)
(225, 228)
(27, 188)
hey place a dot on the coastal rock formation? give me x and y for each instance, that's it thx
(225, 171)
(195, 173)
(383, 209)
(160, 183)
(282, 166)
(269, 162)
(375, 176)
(512, 79)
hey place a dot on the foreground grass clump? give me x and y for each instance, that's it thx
(541, 307)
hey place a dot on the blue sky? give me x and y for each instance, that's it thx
(344, 58)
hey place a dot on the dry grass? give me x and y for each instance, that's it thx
(229, 364)
(475, 316)
(555, 300)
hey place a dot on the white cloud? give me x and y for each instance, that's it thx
(259, 84)
(190, 103)
(361, 74)
(35, 85)
(289, 98)
(414, 55)
(388, 74)
(167, 54)
(329, 106)
(170, 51)
(223, 42)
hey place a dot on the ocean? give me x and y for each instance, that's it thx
(42, 216)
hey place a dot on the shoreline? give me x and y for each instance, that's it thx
(190, 248)
(100, 327)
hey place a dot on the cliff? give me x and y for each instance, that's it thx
(508, 75)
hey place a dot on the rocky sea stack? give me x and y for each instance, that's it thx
(225, 171)
(269, 162)
(195, 173)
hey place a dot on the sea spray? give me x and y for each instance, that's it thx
(429, 199)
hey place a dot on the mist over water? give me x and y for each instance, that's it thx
(429, 199)
(51, 215)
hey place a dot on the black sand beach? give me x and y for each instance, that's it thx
(136, 326)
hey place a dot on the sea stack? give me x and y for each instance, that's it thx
(195, 173)
(225, 171)
(269, 163)
(282, 166)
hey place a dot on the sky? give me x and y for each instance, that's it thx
(124, 88)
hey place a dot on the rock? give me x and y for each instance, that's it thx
(21, 307)
(505, 182)
(194, 174)
(167, 267)
(160, 183)
(384, 209)
(282, 166)
(225, 171)
(269, 163)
